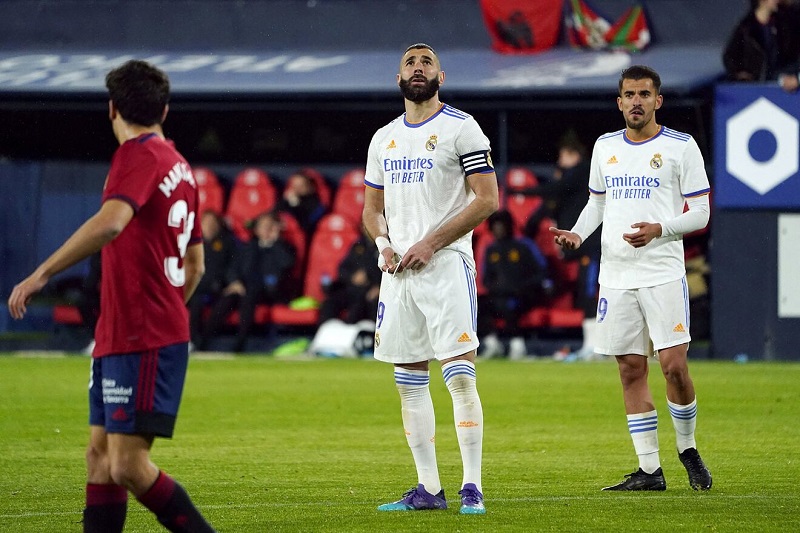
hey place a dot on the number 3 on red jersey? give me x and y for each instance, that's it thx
(179, 214)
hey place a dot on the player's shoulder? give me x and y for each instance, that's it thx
(679, 136)
(611, 136)
(383, 130)
(452, 112)
(609, 139)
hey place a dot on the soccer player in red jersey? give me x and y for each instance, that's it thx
(152, 261)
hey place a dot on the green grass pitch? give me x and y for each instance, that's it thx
(275, 445)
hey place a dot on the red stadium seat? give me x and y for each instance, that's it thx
(294, 235)
(520, 206)
(349, 198)
(209, 190)
(331, 241)
(67, 315)
(252, 193)
(481, 243)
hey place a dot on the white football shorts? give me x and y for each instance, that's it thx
(429, 313)
(627, 319)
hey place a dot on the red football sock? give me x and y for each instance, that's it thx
(106, 507)
(168, 500)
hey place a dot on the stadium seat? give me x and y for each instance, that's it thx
(294, 235)
(349, 198)
(252, 193)
(329, 245)
(480, 244)
(67, 315)
(520, 206)
(209, 190)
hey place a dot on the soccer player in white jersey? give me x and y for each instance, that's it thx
(429, 182)
(641, 177)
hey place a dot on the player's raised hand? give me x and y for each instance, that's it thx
(647, 232)
(566, 239)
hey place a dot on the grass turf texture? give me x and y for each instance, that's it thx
(268, 445)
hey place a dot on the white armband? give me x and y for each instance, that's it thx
(382, 243)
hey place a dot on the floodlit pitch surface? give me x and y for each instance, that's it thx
(316, 445)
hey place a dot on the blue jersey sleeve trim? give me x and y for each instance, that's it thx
(373, 185)
(596, 192)
(697, 193)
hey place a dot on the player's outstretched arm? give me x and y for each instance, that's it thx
(102, 228)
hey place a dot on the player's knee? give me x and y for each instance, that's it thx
(676, 373)
(631, 374)
(125, 470)
(96, 462)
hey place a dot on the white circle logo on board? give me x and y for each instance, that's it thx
(762, 117)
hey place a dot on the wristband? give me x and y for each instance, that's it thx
(382, 243)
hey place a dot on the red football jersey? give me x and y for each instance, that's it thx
(141, 297)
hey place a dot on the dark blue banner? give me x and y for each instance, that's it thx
(343, 73)
(757, 147)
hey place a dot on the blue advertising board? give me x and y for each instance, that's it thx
(757, 147)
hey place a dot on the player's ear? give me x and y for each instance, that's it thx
(659, 101)
(112, 110)
(441, 77)
(164, 114)
(398, 79)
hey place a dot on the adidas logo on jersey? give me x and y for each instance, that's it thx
(679, 328)
(464, 338)
(612, 161)
(391, 145)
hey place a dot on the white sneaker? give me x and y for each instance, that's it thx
(517, 351)
(492, 347)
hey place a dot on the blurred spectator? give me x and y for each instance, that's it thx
(515, 277)
(302, 200)
(219, 248)
(565, 195)
(354, 295)
(259, 274)
(765, 45)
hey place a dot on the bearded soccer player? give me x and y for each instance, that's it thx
(429, 182)
(152, 261)
(641, 177)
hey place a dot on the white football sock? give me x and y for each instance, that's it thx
(643, 428)
(459, 376)
(419, 423)
(684, 419)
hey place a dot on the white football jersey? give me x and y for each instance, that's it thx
(645, 181)
(422, 169)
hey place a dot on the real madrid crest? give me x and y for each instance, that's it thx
(377, 339)
(656, 162)
(431, 144)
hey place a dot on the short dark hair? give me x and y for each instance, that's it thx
(572, 141)
(140, 92)
(420, 45)
(640, 72)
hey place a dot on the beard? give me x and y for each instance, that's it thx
(635, 124)
(419, 94)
